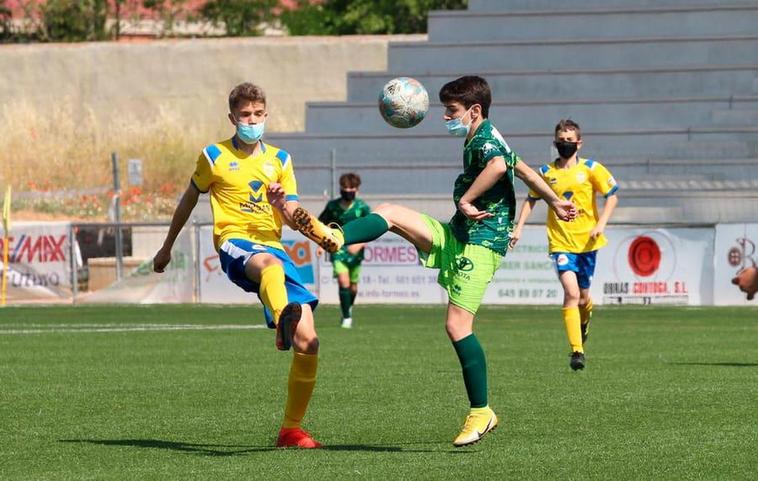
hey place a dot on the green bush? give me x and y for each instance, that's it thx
(350, 17)
(242, 18)
(74, 20)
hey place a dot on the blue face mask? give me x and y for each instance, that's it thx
(250, 133)
(457, 128)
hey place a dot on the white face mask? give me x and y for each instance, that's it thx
(456, 126)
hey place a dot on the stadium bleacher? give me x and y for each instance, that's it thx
(666, 92)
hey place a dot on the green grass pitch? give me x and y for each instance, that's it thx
(668, 393)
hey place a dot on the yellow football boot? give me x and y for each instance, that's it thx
(329, 238)
(478, 423)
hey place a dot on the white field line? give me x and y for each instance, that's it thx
(58, 328)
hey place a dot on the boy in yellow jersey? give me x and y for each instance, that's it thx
(573, 245)
(240, 174)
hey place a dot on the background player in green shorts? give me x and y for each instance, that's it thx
(346, 261)
(468, 249)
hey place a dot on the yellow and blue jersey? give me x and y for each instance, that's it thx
(579, 184)
(237, 185)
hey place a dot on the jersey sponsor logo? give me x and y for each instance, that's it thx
(257, 194)
(552, 180)
(465, 264)
(581, 177)
(234, 166)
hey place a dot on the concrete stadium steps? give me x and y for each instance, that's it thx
(435, 176)
(566, 22)
(571, 83)
(728, 142)
(420, 57)
(652, 171)
(520, 5)
(735, 117)
(340, 117)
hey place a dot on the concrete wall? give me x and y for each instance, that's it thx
(189, 78)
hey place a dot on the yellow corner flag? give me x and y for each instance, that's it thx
(7, 211)
(6, 238)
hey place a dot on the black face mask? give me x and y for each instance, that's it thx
(347, 196)
(566, 149)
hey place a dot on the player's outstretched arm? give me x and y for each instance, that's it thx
(564, 209)
(526, 209)
(181, 214)
(747, 281)
(494, 170)
(610, 205)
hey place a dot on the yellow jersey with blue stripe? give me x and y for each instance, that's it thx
(237, 184)
(579, 184)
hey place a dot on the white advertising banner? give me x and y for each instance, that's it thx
(143, 286)
(655, 266)
(735, 249)
(390, 273)
(526, 275)
(215, 287)
(39, 261)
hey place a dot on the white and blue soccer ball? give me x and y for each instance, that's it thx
(403, 102)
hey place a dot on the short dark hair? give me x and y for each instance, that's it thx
(350, 180)
(245, 92)
(468, 90)
(568, 124)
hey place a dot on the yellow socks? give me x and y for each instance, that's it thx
(272, 290)
(585, 312)
(299, 388)
(572, 321)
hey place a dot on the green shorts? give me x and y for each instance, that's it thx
(353, 270)
(465, 269)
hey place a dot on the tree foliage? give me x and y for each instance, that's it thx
(346, 17)
(241, 18)
(74, 20)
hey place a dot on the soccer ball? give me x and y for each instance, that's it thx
(403, 102)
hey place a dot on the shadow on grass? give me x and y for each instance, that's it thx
(727, 364)
(231, 449)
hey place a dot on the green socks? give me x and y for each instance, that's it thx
(346, 301)
(365, 229)
(474, 366)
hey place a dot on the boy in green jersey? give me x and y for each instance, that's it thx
(468, 249)
(346, 262)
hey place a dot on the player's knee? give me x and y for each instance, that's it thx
(307, 343)
(388, 211)
(570, 297)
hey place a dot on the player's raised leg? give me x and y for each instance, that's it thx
(405, 222)
(302, 379)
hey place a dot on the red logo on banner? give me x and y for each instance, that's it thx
(644, 256)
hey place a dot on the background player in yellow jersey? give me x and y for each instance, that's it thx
(240, 173)
(573, 245)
